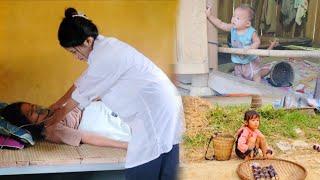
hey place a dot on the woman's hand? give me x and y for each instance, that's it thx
(63, 100)
(55, 106)
(58, 115)
(61, 112)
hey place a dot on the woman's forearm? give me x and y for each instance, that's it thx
(97, 140)
(61, 112)
(66, 96)
(255, 41)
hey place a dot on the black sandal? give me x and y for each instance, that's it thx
(269, 151)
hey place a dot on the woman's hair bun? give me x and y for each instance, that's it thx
(69, 12)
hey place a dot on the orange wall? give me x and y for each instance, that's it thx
(33, 66)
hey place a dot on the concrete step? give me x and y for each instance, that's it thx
(228, 84)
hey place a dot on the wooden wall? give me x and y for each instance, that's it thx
(310, 28)
(313, 23)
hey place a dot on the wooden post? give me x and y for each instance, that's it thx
(257, 20)
(192, 45)
(192, 42)
(225, 10)
(316, 94)
(317, 25)
(237, 3)
(312, 17)
(213, 36)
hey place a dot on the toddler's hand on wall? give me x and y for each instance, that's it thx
(208, 11)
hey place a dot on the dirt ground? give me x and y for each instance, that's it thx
(206, 170)
(200, 169)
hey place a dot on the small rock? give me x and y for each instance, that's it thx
(318, 128)
(300, 144)
(299, 131)
(284, 146)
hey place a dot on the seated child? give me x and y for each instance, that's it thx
(250, 139)
(243, 35)
(95, 125)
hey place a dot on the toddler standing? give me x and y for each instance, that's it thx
(243, 35)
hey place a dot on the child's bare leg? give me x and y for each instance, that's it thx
(264, 72)
(251, 145)
(257, 78)
(262, 144)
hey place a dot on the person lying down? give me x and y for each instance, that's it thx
(96, 125)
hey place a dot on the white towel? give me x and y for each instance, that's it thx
(97, 118)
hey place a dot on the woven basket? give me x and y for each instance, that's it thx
(285, 169)
(222, 145)
(282, 75)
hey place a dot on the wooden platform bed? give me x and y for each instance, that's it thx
(46, 157)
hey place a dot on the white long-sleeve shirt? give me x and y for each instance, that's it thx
(143, 96)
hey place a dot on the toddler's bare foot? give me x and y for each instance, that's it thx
(247, 158)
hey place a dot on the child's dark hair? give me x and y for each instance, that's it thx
(75, 29)
(13, 114)
(250, 114)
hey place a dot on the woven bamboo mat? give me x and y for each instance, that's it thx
(94, 154)
(45, 153)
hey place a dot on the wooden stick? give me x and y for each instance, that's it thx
(316, 94)
(275, 53)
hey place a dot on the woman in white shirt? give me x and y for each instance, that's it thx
(131, 85)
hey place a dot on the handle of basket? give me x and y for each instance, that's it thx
(205, 155)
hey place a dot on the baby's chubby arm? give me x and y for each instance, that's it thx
(217, 22)
(273, 43)
(255, 41)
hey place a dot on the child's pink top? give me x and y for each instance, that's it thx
(244, 136)
(66, 131)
